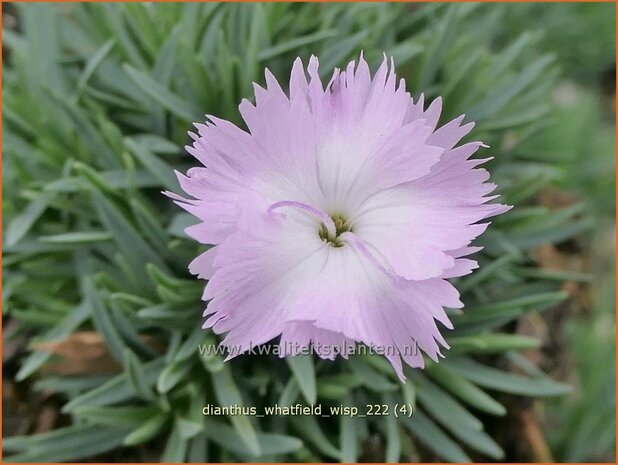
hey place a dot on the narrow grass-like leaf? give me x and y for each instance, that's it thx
(137, 377)
(19, 226)
(116, 390)
(269, 443)
(190, 346)
(494, 343)
(128, 239)
(103, 321)
(155, 143)
(172, 375)
(188, 428)
(559, 275)
(114, 18)
(123, 417)
(165, 97)
(506, 382)
(290, 393)
(464, 389)
(64, 327)
(176, 447)
(502, 94)
(295, 43)
(114, 179)
(86, 237)
(480, 441)
(147, 430)
(65, 444)
(444, 408)
(227, 394)
(93, 63)
(151, 162)
(434, 438)
(551, 234)
(370, 378)
(483, 312)
(348, 441)
(198, 450)
(312, 433)
(393, 441)
(433, 56)
(149, 225)
(334, 54)
(304, 371)
(98, 148)
(338, 386)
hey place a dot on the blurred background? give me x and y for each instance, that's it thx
(101, 319)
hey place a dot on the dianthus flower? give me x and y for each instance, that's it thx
(338, 217)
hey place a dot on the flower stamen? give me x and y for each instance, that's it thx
(341, 227)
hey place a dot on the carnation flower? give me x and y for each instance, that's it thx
(337, 218)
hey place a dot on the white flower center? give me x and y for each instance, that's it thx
(332, 227)
(341, 226)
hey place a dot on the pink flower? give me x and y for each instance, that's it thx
(337, 218)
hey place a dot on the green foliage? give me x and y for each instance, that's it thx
(97, 102)
(582, 35)
(581, 145)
